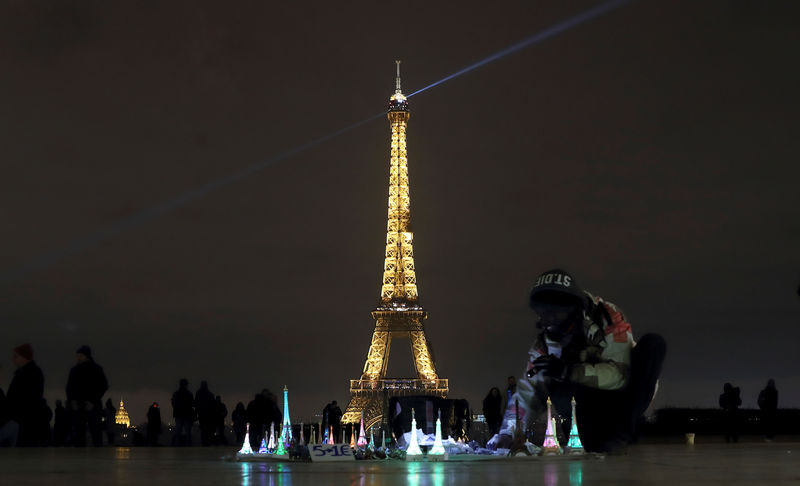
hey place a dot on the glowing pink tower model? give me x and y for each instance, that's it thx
(550, 445)
(362, 436)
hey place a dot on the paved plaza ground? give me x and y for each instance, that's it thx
(750, 463)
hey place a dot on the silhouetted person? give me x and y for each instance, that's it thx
(184, 414)
(153, 424)
(325, 420)
(9, 429)
(491, 410)
(585, 349)
(205, 407)
(239, 419)
(25, 398)
(220, 412)
(61, 426)
(109, 421)
(46, 415)
(86, 386)
(335, 420)
(257, 414)
(768, 403)
(510, 390)
(274, 415)
(729, 401)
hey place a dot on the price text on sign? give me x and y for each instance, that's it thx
(330, 452)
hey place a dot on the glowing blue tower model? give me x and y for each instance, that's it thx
(574, 445)
(286, 430)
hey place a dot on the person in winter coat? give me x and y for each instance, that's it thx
(9, 429)
(153, 424)
(61, 426)
(220, 412)
(768, 403)
(585, 349)
(730, 400)
(184, 414)
(109, 421)
(86, 386)
(25, 398)
(239, 418)
(205, 406)
(491, 410)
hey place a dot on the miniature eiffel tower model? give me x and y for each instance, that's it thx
(362, 436)
(271, 445)
(302, 439)
(331, 440)
(574, 444)
(353, 439)
(438, 445)
(371, 445)
(413, 449)
(246, 449)
(286, 428)
(550, 445)
(399, 314)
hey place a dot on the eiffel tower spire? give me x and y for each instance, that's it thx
(399, 278)
(398, 314)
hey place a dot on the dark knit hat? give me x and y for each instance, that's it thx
(85, 350)
(24, 350)
(556, 283)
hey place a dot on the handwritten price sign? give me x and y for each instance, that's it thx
(330, 452)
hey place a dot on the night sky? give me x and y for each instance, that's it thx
(651, 151)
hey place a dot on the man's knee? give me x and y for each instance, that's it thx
(653, 343)
(650, 348)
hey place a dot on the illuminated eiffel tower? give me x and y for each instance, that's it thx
(399, 314)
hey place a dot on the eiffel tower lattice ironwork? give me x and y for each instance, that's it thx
(399, 314)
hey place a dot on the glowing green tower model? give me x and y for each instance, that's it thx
(438, 446)
(413, 451)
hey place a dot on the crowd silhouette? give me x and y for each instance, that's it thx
(730, 400)
(82, 419)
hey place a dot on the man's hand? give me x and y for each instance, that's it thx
(550, 366)
(499, 441)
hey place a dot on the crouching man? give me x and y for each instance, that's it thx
(585, 349)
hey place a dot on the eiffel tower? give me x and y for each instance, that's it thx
(399, 314)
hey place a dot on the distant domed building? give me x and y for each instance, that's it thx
(122, 416)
